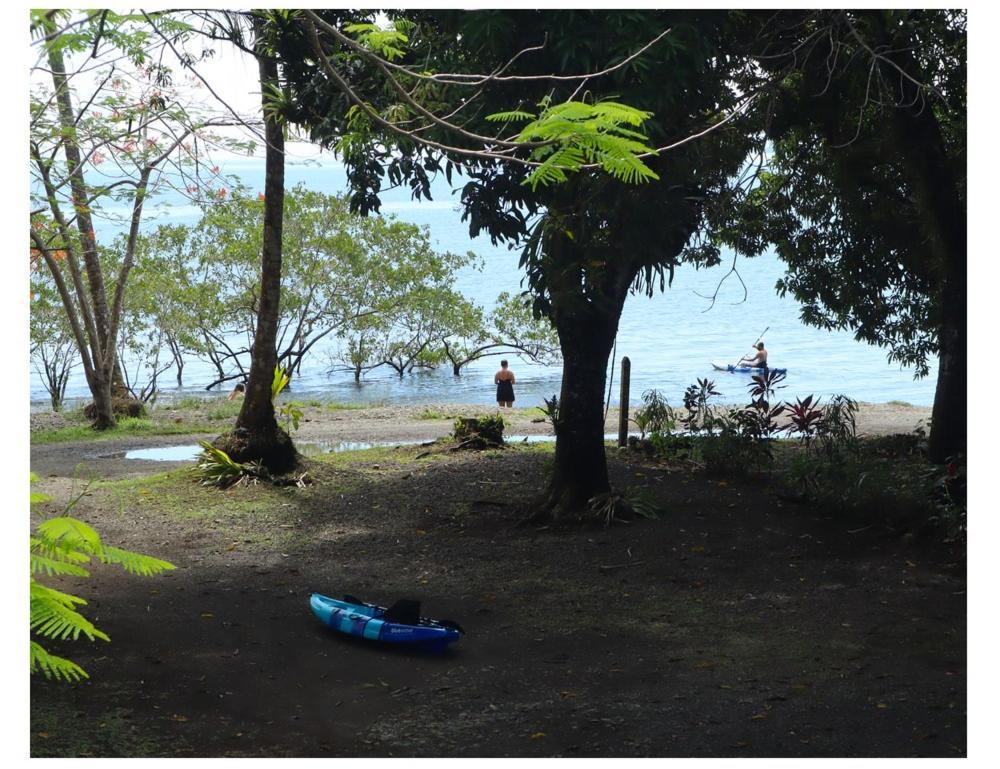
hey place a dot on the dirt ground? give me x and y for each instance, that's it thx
(734, 625)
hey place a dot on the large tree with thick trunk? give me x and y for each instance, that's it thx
(864, 197)
(590, 239)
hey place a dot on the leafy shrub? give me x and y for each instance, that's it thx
(946, 489)
(699, 417)
(740, 440)
(655, 415)
(551, 411)
(479, 432)
(62, 547)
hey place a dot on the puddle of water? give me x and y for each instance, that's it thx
(165, 453)
(188, 453)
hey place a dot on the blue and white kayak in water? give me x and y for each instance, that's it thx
(723, 366)
(400, 623)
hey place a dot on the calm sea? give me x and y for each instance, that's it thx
(671, 338)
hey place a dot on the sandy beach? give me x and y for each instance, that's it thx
(412, 423)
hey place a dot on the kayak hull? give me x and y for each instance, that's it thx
(744, 369)
(368, 621)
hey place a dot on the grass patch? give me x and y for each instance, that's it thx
(900, 403)
(126, 426)
(191, 402)
(431, 413)
(58, 731)
(224, 410)
(335, 406)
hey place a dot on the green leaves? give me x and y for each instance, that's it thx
(574, 134)
(279, 382)
(51, 666)
(216, 468)
(388, 43)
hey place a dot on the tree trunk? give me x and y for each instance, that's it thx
(932, 175)
(257, 435)
(949, 418)
(581, 469)
(100, 388)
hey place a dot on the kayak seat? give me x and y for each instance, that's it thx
(451, 625)
(405, 612)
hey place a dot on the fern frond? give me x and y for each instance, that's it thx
(53, 567)
(34, 497)
(135, 563)
(617, 113)
(70, 533)
(512, 116)
(52, 615)
(55, 667)
(570, 110)
(57, 551)
(628, 169)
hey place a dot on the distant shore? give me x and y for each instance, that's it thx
(340, 422)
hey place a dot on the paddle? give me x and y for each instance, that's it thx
(759, 337)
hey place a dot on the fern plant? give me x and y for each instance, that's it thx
(64, 547)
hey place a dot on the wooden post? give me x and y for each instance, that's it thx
(623, 404)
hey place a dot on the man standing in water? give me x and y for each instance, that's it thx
(504, 380)
(759, 360)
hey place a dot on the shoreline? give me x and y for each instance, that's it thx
(428, 422)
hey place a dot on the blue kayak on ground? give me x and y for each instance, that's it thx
(744, 369)
(401, 623)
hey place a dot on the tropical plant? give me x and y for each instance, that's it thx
(655, 415)
(699, 417)
(804, 418)
(551, 411)
(615, 506)
(216, 468)
(63, 547)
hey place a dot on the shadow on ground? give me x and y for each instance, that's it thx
(731, 626)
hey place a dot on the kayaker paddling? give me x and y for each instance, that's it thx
(757, 361)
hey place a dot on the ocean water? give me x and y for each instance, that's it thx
(671, 339)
